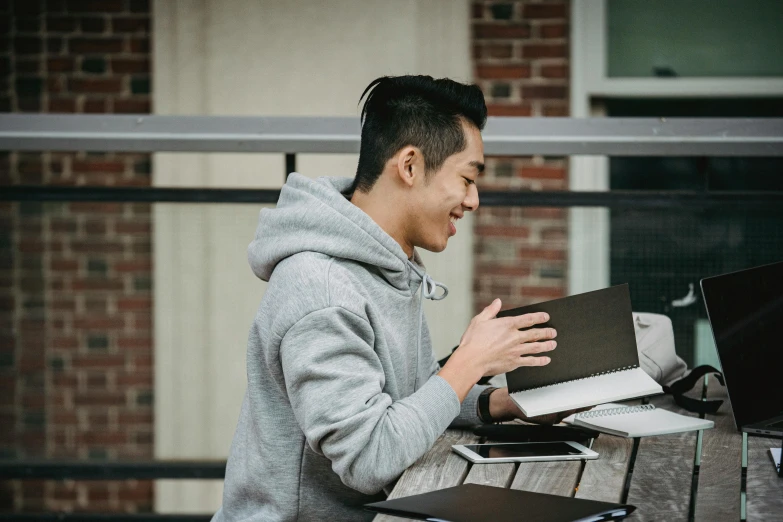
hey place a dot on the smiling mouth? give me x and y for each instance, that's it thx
(453, 223)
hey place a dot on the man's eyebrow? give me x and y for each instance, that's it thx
(479, 166)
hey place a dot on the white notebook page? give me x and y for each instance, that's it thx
(615, 386)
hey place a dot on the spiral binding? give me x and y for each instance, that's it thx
(615, 411)
(624, 368)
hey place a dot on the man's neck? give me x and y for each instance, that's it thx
(386, 214)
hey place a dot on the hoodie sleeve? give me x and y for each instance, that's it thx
(335, 384)
(468, 412)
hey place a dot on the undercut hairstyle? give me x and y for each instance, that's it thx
(419, 111)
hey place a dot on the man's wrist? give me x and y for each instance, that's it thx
(501, 407)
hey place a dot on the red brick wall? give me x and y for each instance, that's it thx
(520, 52)
(75, 278)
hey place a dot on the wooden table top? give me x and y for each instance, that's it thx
(683, 476)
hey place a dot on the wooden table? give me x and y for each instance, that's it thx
(685, 476)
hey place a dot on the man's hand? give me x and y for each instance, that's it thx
(502, 408)
(491, 346)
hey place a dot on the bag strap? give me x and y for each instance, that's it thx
(678, 388)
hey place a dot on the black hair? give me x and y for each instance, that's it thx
(418, 111)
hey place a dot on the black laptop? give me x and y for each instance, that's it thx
(745, 310)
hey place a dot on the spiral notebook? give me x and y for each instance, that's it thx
(636, 421)
(596, 360)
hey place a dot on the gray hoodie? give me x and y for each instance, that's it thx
(342, 391)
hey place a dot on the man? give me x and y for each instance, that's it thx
(343, 390)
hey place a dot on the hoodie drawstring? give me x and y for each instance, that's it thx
(428, 289)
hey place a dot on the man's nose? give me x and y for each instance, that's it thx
(471, 201)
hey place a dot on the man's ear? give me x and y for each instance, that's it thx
(409, 164)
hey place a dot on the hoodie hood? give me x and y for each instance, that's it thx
(316, 216)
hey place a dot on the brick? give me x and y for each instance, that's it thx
(25, 7)
(132, 266)
(63, 265)
(554, 30)
(543, 172)
(554, 71)
(509, 110)
(544, 51)
(63, 305)
(125, 304)
(503, 231)
(55, 45)
(114, 166)
(539, 11)
(132, 106)
(94, 247)
(138, 25)
(95, 85)
(99, 361)
(140, 85)
(543, 292)
(64, 342)
(500, 31)
(24, 45)
(554, 234)
(95, 106)
(28, 66)
(94, 65)
(95, 45)
(541, 212)
(541, 253)
(95, 6)
(491, 72)
(95, 322)
(477, 10)
(97, 285)
(139, 6)
(54, 84)
(556, 110)
(139, 45)
(101, 437)
(102, 208)
(126, 380)
(27, 24)
(92, 24)
(517, 270)
(545, 92)
(133, 227)
(29, 86)
(60, 24)
(130, 65)
(95, 227)
(62, 105)
(134, 343)
(498, 51)
(96, 381)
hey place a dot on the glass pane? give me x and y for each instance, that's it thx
(664, 253)
(696, 38)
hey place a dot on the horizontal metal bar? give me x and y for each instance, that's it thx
(138, 194)
(80, 470)
(502, 136)
(609, 199)
(104, 517)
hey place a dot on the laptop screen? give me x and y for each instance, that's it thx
(746, 313)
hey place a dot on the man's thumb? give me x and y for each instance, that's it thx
(491, 310)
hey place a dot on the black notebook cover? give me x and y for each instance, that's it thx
(473, 502)
(595, 335)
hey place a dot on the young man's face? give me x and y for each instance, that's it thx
(447, 194)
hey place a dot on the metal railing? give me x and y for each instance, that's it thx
(291, 136)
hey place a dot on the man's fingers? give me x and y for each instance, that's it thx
(529, 360)
(536, 334)
(528, 320)
(531, 348)
(490, 311)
